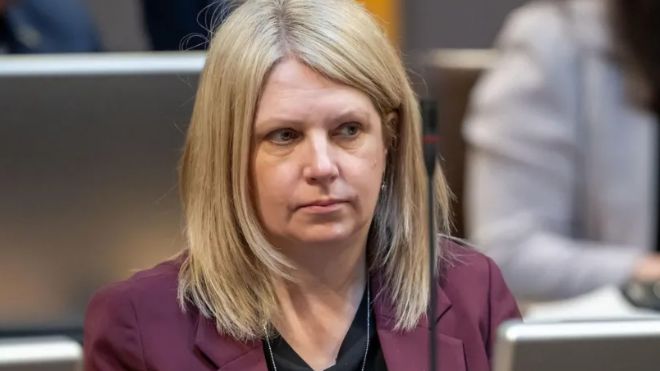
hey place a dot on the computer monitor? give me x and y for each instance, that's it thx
(40, 354)
(89, 147)
(607, 345)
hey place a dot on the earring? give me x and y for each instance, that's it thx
(383, 186)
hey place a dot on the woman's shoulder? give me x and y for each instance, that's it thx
(154, 285)
(140, 315)
(461, 259)
(473, 279)
(480, 298)
(148, 297)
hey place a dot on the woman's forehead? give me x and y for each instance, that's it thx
(295, 92)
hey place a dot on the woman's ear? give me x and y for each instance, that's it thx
(391, 119)
(390, 123)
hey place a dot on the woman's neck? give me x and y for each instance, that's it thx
(318, 308)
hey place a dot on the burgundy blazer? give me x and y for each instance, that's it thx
(137, 324)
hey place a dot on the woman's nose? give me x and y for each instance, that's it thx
(320, 164)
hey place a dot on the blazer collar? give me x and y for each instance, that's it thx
(224, 352)
(410, 350)
(385, 311)
(227, 354)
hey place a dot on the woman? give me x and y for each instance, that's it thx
(563, 148)
(303, 187)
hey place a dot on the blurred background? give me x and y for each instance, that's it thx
(94, 101)
(414, 24)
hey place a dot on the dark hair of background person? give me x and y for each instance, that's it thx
(183, 24)
(636, 26)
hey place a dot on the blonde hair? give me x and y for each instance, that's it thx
(228, 270)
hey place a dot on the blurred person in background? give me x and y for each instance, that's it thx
(46, 26)
(561, 186)
(182, 24)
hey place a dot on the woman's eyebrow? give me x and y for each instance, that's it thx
(351, 115)
(278, 121)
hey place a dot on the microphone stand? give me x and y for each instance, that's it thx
(430, 143)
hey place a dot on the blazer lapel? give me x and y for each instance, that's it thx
(403, 351)
(225, 353)
(409, 350)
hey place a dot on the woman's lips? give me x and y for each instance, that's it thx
(323, 206)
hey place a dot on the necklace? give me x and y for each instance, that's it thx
(366, 348)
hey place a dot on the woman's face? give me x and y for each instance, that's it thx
(318, 159)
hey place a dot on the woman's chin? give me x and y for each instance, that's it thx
(324, 234)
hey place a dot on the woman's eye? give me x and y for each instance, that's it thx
(350, 129)
(283, 136)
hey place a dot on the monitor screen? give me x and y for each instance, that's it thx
(40, 354)
(607, 345)
(89, 146)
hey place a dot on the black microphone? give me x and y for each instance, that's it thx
(657, 180)
(430, 140)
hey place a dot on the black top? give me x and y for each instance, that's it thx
(351, 351)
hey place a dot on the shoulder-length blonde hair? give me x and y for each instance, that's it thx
(228, 270)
